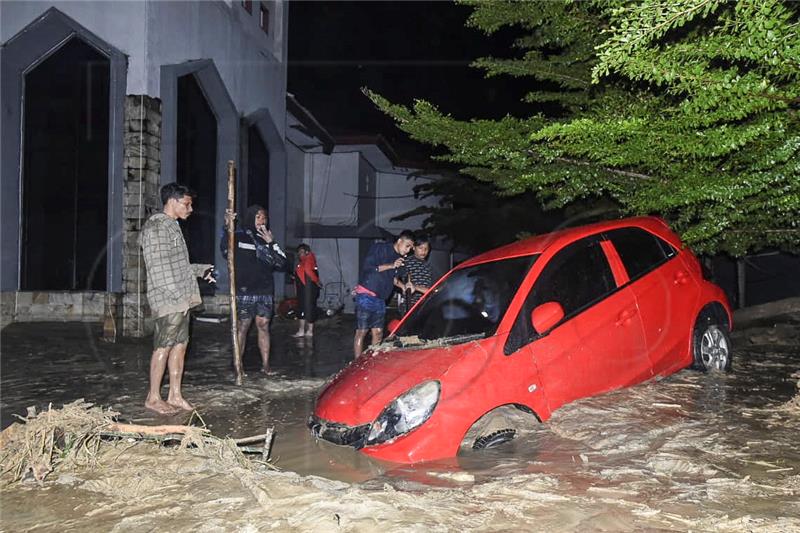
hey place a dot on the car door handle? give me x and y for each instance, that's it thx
(681, 278)
(625, 317)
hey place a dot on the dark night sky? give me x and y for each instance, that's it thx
(402, 50)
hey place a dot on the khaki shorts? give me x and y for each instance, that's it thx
(171, 330)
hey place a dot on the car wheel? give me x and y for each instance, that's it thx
(497, 427)
(711, 346)
(497, 438)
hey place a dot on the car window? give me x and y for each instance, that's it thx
(469, 301)
(640, 250)
(576, 277)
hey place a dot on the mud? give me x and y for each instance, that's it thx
(690, 452)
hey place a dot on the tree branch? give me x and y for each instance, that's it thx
(607, 169)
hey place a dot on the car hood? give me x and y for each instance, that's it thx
(359, 393)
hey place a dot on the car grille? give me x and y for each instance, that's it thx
(338, 433)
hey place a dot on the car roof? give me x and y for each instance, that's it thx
(540, 243)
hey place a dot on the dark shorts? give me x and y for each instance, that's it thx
(249, 306)
(370, 312)
(171, 330)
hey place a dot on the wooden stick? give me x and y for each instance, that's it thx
(250, 440)
(150, 430)
(267, 444)
(237, 356)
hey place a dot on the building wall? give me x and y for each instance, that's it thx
(337, 260)
(153, 34)
(395, 196)
(295, 193)
(331, 188)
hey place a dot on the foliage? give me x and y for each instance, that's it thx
(683, 108)
(469, 213)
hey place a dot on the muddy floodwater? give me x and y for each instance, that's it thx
(689, 452)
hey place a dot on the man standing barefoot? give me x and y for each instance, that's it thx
(172, 291)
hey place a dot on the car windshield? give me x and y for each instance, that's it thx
(469, 303)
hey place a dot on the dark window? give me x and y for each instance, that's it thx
(639, 250)
(469, 302)
(65, 171)
(248, 5)
(263, 20)
(196, 151)
(576, 277)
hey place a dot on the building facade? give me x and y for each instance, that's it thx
(103, 102)
(345, 193)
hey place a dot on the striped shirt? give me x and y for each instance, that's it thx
(171, 279)
(420, 273)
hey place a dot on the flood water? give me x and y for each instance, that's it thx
(691, 451)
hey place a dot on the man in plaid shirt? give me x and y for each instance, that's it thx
(172, 291)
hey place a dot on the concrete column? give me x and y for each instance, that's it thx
(142, 169)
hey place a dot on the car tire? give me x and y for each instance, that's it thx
(497, 427)
(501, 436)
(711, 345)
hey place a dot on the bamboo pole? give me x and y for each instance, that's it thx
(237, 355)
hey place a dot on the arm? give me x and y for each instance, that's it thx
(309, 264)
(199, 269)
(228, 225)
(267, 250)
(371, 261)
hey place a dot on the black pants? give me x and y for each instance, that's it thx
(307, 298)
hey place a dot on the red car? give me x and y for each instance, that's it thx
(524, 329)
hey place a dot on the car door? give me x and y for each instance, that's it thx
(666, 294)
(599, 344)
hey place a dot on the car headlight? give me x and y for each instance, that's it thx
(405, 413)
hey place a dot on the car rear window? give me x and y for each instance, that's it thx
(640, 250)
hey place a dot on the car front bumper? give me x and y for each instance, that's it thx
(336, 433)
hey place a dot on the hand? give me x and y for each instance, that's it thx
(264, 233)
(210, 275)
(230, 219)
(398, 262)
(410, 287)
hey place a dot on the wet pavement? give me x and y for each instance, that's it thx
(692, 451)
(57, 363)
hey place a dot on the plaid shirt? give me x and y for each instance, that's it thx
(171, 284)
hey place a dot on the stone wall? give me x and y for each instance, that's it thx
(60, 306)
(142, 164)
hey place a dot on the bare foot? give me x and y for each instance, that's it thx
(160, 406)
(180, 404)
(265, 370)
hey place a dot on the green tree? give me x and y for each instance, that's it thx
(683, 108)
(475, 218)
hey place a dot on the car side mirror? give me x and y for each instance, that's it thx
(393, 323)
(546, 316)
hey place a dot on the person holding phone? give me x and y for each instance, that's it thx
(383, 266)
(256, 256)
(420, 276)
(171, 291)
